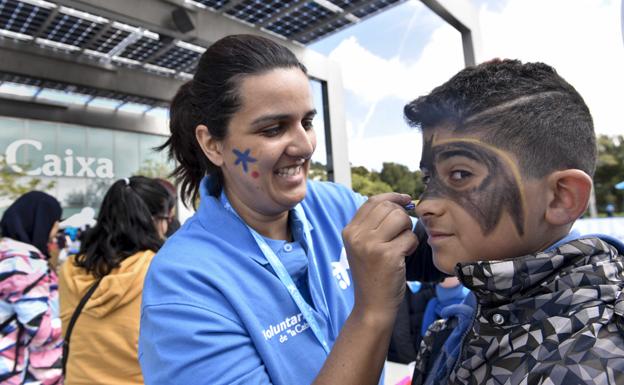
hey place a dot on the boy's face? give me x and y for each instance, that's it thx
(476, 205)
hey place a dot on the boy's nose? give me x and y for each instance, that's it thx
(428, 207)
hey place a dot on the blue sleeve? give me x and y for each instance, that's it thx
(359, 199)
(184, 344)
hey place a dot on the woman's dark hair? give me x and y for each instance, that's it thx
(125, 224)
(212, 98)
(30, 219)
(173, 194)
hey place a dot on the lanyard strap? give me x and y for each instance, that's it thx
(283, 275)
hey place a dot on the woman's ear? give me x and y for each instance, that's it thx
(211, 146)
(569, 196)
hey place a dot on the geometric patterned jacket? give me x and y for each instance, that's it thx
(551, 318)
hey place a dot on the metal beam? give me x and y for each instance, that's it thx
(81, 115)
(463, 16)
(46, 64)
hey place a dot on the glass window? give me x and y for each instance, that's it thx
(81, 162)
(44, 134)
(126, 154)
(319, 158)
(10, 130)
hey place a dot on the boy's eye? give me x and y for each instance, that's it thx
(460, 175)
(307, 124)
(426, 179)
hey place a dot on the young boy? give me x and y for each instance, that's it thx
(509, 152)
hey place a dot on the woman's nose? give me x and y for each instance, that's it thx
(303, 142)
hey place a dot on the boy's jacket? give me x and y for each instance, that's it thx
(550, 318)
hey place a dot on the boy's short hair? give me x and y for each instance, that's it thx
(527, 109)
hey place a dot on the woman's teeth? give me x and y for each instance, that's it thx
(289, 171)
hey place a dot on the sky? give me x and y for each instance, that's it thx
(402, 53)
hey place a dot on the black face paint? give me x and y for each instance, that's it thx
(498, 191)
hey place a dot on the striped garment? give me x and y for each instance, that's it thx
(28, 316)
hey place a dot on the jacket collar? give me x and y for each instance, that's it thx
(215, 217)
(499, 282)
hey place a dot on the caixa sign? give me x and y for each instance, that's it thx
(54, 165)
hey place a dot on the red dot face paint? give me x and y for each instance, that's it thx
(255, 174)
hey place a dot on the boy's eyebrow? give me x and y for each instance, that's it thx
(272, 118)
(447, 154)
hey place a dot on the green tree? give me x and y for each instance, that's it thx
(13, 184)
(154, 169)
(368, 186)
(360, 170)
(401, 179)
(609, 172)
(318, 171)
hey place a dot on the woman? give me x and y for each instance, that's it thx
(31, 342)
(255, 288)
(115, 254)
(174, 223)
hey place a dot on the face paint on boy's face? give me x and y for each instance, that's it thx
(485, 200)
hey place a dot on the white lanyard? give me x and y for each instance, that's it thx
(282, 273)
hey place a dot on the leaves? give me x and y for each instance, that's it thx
(609, 172)
(13, 184)
(393, 177)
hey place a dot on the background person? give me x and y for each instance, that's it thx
(256, 287)
(29, 326)
(116, 253)
(174, 223)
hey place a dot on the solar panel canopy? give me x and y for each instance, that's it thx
(88, 36)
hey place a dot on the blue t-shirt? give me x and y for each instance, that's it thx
(214, 312)
(294, 258)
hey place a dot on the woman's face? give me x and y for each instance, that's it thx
(265, 155)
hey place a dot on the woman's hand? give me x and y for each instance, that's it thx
(377, 241)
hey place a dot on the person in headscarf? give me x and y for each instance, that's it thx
(30, 328)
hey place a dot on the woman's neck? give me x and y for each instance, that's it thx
(274, 226)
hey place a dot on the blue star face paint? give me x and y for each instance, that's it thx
(243, 158)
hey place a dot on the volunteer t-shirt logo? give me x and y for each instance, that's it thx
(339, 270)
(288, 328)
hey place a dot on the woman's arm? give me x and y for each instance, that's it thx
(377, 241)
(182, 344)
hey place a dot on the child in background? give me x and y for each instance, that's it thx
(509, 152)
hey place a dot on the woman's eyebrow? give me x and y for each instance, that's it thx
(269, 118)
(277, 117)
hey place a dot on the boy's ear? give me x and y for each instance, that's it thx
(569, 196)
(211, 146)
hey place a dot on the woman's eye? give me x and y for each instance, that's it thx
(272, 131)
(460, 175)
(426, 179)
